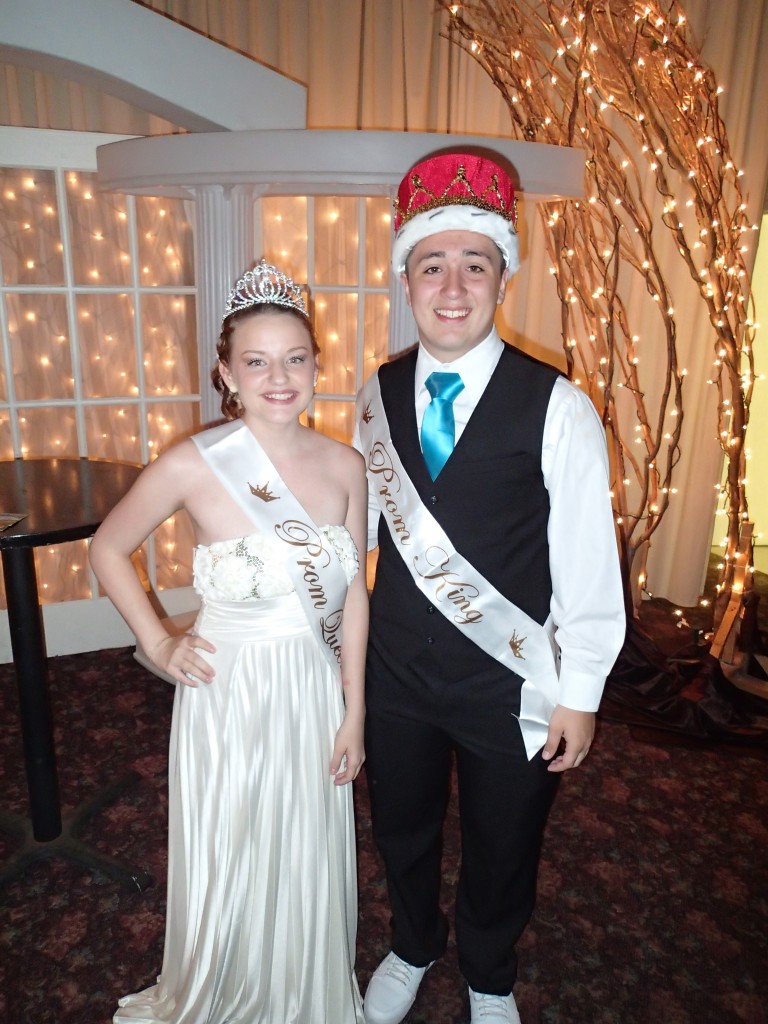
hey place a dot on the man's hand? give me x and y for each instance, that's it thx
(571, 733)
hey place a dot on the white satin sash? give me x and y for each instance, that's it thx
(243, 468)
(452, 584)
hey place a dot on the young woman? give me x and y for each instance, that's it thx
(268, 717)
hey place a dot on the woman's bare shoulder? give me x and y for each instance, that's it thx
(179, 456)
(342, 456)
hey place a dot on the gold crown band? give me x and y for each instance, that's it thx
(470, 199)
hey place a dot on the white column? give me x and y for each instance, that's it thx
(224, 248)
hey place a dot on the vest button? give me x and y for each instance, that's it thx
(430, 609)
(430, 639)
(433, 500)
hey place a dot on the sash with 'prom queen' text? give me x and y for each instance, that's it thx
(243, 468)
(451, 583)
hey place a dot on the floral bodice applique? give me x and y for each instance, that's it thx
(253, 567)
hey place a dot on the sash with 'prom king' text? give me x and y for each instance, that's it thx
(451, 583)
(242, 466)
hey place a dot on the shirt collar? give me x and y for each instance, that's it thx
(475, 367)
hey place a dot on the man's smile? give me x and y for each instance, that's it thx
(453, 314)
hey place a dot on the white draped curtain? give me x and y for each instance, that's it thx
(389, 64)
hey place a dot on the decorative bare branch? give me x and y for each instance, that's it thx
(620, 80)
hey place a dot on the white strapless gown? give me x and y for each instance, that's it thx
(262, 890)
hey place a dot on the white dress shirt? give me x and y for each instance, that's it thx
(587, 606)
(475, 369)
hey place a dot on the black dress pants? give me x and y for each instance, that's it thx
(414, 727)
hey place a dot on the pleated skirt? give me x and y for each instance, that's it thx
(262, 893)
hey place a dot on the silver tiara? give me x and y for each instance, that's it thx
(264, 284)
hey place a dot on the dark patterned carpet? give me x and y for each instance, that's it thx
(653, 896)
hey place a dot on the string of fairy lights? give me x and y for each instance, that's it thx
(81, 372)
(622, 81)
(318, 240)
(81, 376)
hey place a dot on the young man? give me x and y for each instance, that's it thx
(497, 610)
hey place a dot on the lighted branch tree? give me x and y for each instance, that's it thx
(619, 79)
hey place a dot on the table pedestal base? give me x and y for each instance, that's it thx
(68, 846)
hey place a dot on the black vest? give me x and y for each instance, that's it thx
(489, 498)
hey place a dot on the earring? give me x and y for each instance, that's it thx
(236, 396)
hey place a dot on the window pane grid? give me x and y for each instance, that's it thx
(93, 287)
(317, 241)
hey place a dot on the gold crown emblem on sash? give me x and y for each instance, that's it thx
(516, 645)
(262, 491)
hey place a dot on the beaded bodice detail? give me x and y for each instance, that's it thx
(253, 567)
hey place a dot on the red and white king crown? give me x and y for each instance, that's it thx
(456, 192)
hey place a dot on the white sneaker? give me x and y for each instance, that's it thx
(392, 990)
(493, 1009)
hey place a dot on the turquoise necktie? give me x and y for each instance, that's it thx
(438, 426)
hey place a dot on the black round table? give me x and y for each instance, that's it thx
(61, 500)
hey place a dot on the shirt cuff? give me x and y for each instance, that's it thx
(580, 691)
